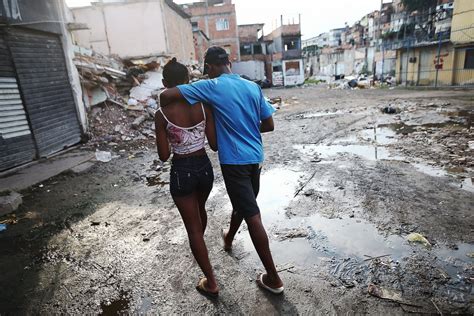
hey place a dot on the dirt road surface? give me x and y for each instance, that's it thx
(343, 187)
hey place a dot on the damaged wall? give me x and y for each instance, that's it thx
(141, 28)
(180, 35)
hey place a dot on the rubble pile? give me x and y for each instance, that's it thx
(444, 139)
(448, 147)
(121, 96)
(355, 82)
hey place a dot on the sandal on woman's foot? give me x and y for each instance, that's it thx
(226, 248)
(260, 283)
(201, 288)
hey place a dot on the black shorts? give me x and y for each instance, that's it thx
(243, 183)
(191, 174)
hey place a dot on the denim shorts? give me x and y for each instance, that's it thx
(191, 174)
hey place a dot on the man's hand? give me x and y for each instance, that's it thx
(169, 96)
(267, 125)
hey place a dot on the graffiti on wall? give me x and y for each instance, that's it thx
(10, 9)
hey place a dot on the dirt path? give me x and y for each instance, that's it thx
(342, 183)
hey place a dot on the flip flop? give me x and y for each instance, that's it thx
(278, 290)
(227, 249)
(201, 288)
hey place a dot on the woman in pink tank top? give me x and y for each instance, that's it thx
(181, 131)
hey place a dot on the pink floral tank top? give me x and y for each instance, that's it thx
(186, 140)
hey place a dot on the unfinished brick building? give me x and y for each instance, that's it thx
(218, 20)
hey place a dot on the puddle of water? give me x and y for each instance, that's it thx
(116, 307)
(338, 238)
(320, 114)
(379, 135)
(369, 152)
(430, 170)
(404, 129)
(277, 188)
(468, 184)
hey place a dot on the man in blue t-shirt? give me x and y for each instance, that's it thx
(241, 114)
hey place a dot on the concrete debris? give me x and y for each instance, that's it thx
(145, 89)
(138, 121)
(9, 202)
(103, 156)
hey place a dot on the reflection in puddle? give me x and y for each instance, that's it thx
(368, 152)
(116, 307)
(379, 135)
(277, 188)
(468, 184)
(405, 129)
(320, 114)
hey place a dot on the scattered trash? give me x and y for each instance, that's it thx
(9, 202)
(103, 156)
(388, 294)
(288, 268)
(389, 110)
(153, 180)
(151, 103)
(416, 237)
(352, 83)
(132, 102)
(3, 227)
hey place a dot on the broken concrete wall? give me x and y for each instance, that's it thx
(125, 29)
(74, 79)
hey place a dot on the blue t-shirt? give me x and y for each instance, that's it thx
(239, 107)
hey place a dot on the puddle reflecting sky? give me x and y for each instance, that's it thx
(332, 237)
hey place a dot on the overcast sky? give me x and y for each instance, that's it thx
(317, 16)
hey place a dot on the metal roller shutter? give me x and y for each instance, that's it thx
(47, 94)
(16, 142)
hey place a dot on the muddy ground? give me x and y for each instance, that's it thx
(343, 183)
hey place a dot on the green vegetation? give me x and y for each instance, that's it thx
(314, 81)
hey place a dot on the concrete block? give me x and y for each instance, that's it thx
(9, 202)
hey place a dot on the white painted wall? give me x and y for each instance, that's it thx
(290, 78)
(254, 69)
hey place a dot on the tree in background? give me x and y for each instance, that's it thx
(419, 5)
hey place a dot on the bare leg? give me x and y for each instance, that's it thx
(260, 241)
(202, 199)
(188, 207)
(235, 222)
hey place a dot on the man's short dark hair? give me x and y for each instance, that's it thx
(215, 55)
